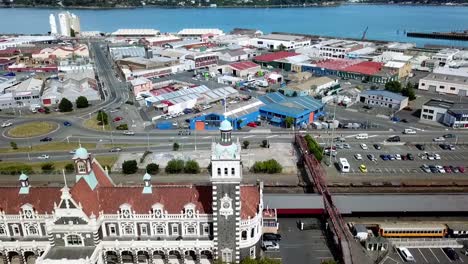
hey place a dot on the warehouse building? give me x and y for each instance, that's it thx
(243, 68)
(276, 41)
(445, 83)
(382, 98)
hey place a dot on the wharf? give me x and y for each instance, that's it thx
(463, 35)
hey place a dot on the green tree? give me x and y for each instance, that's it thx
(152, 168)
(281, 47)
(270, 166)
(13, 145)
(122, 127)
(69, 167)
(65, 105)
(288, 121)
(393, 86)
(409, 92)
(265, 144)
(192, 167)
(175, 146)
(245, 144)
(239, 122)
(47, 167)
(175, 166)
(46, 110)
(102, 117)
(81, 102)
(129, 166)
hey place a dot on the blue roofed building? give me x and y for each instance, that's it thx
(304, 109)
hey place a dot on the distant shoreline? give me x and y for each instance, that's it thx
(327, 4)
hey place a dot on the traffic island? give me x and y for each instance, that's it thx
(32, 129)
(94, 124)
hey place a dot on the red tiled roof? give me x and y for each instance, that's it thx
(275, 56)
(250, 199)
(41, 198)
(243, 65)
(82, 193)
(9, 51)
(336, 64)
(366, 67)
(102, 178)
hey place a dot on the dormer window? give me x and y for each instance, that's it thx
(125, 211)
(28, 211)
(81, 167)
(158, 210)
(189, 210)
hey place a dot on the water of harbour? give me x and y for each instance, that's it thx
(385, 22)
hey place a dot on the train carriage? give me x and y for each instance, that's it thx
(413, 230)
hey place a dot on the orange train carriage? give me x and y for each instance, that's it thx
(413, 230)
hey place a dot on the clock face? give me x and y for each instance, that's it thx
(226, 205)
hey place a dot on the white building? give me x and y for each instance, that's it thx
(24, 94)
(136, 32)
(53, 25)
(445, 83)
(199, 32)
(276, 41)
(69, 22)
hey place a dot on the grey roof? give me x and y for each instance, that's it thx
(125, 52)
(384, 93)
(459, 108)
(446, 78)
(293, 201)
(439, 103)
(69, 252)
(282, 37)
(237, 52)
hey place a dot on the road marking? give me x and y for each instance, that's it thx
(207, 137)
(430, 249)
(184, 137)
(422, 255)
(249, 136)
(446, 255)
(272, 136)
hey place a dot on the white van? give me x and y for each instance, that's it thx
(404, 252)
(362, 136)
(409, 131)
(344, 165)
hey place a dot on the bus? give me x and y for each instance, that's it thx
(344, 165)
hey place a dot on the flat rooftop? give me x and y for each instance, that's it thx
(439, 103)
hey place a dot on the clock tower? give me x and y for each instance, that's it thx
(226, 175)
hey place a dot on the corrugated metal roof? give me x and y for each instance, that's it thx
(383, 93)
(293, 201)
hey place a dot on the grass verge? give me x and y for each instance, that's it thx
(54, 146)
(92, 123)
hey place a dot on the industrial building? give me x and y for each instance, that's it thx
(135, 32)
(243, 69)
(200, 32)
(451, 114)
(278, 41)
(381, 98)
(445, 83)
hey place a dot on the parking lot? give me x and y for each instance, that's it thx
(357, 156)
(300, 246)
(426, 255)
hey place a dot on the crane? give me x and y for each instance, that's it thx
(364, 33)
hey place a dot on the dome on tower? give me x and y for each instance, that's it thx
(225, 125)
(81, 153)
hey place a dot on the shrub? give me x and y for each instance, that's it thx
(152, 168)
(69, 167)
(13, 145)
(46, 110)
(122, 127)
(245, 144)
(47, 167)
(265, 144)
(65, 105)
(17, 169)
(314, 147)
(129, 102)
(288, 121)
(102, 117)
(269, 166)
(175, 166)
(129, 166)
(191, 166)
(175, 146)
(81, 102)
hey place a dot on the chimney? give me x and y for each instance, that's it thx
(147, 188)
(24, 182)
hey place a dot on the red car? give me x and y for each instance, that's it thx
(447, 169)
(41, 110)
(461, 169)
(117, 119)
(252, 124)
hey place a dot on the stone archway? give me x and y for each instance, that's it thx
(190, 257)
(30, 257)
(14, 257)
(143, 257)
(174, 257)
(127, 257)
(206, 257)
(112, 257)
(158, 257)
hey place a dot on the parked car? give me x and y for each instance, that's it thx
(436, 156)
(451, 147)
(117, 119)
(115, 149)
(271, 237)
(377, 146)
(358, 156)
(410, 156)
(371, 157)
(433, 169)
(129, 133)
(438, 139)
(451, 254)
(364, 146)
(449, 136)
(461, 169)
(440, 169)
(73, 151)
(397, 156)
(454, 169)
(184, 133)
(270, 245)
(384, 157)
(363, 168)
(67, 124)
(46, 139)
(447, 169)
(43, 157)
(425, 168)
(421, 147)
(252, 124)
(394, 139)
(6, 124)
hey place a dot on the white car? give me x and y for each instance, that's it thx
(398, 156)
(6, 124)
(43, 157)
(440, 168)
(73, 151)
(358, 156)
(129, 133)
(270, 245)
(439, 139)
(364, 146)
(436, 156)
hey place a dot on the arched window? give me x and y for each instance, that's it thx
(244, 235)
(233, 171)
(74, 240)
(219, 171)
(226, 171)
(128, 229)
(32, 231)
